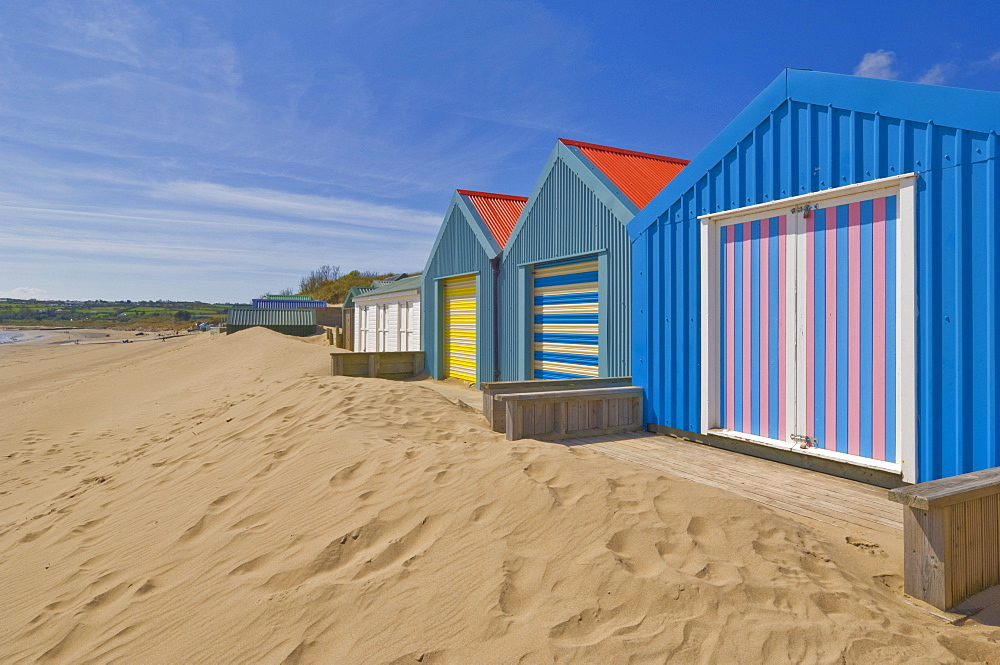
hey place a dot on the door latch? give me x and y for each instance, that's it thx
(804, 440)
(805, 208)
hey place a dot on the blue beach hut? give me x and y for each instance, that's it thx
(565, 278)
(460, 284)
(823, 279)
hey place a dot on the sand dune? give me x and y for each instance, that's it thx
(224, 500)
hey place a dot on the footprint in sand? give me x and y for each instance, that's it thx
(593, 625)
(636, 550)
(521, 581)
(34, 535)
(367, 552)
(626, 495)
(561, 485)
(349, 476)
(251, 565)
(86, 526)
(866, 546)
(213, 514)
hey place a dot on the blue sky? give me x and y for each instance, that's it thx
(219, 149)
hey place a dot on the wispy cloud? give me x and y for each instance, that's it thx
(345, 211)
(878, 64)
(883, 64)
(24, 293)
(936, 75)
(202, 222)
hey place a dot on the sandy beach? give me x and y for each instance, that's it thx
(15, 336)
(224, 500)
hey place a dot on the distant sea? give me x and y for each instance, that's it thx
(18, 337)
(7, 336)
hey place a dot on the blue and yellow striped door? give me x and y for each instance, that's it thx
(460, 328)
(565, 317)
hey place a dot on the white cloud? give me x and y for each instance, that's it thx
(936, 75)
(24, 293)
(204, 223)
(878, 65)
(302, 206)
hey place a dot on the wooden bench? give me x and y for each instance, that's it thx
(562, 414)
(496, 413)
(396, 365)
(951, 537)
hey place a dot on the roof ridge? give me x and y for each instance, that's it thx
(624, 151)
(497, 212)
(469, 192)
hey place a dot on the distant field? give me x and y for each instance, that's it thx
(109, 314)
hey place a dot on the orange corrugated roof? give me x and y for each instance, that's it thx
(639, 175)
(499, 211)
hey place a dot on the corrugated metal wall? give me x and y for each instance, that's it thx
(567, 218)
(801, 148)
(299, 322)
(272, 303)
(459, 252)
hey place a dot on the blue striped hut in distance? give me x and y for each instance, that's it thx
(565, 279)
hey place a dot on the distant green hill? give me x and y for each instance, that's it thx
(106, 314)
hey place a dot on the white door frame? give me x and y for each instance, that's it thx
(381, 326)
(405, 324)
(904, 187)
(362, 328)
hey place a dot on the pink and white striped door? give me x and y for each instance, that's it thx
(808, 318)
(758, 324)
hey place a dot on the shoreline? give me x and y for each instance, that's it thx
(21, 336)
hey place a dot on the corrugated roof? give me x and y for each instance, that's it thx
(639, 175)
(284, 303)
(272, 296)
(405, 284)
(354, 292)
(245, 316)
(499, 211)
(391, 278)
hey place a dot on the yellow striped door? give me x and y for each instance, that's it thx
(460, 327)
(565, 319)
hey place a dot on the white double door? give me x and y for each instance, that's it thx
(407, 328)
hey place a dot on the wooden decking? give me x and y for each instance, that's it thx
(807, 495)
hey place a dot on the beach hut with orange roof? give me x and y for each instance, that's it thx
(460, 285)
(565, 283)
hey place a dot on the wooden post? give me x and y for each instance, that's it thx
(951, 537)
(925, 547)
(515, 422)
(373, 365)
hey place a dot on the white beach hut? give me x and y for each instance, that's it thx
(387, 318)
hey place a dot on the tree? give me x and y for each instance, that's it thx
(319, 277)
(336, 290)
(182, 315)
